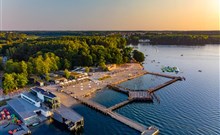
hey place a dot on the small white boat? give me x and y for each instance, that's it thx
(35, 124)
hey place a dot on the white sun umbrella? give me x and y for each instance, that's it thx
(65, 82)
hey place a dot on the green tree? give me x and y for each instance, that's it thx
(30, 68)
(40, 66)
(127, 54)
(103, 66)
(24, 67)
(9, 83)
(138, 56)
(66, 73)
(12, 66)
(66, 64)
(21, 79)
(87, 69)
(47, 77)
(1, 64)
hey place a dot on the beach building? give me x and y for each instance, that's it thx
(37, 105)
(30, 106)
(70, 118)
(27, 112)
(48, 98)
(57, 80)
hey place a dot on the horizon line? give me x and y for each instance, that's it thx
(108, 30)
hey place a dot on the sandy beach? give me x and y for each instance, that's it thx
(87, 88)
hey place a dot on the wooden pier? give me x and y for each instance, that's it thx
(151, 90)
(162, 75)
(120, 105)
(93, 105)
(128, 122)
(143, 95)
(118, 88)
(133, 95)
(140, 96)
(139, 127)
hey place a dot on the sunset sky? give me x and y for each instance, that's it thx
(110, 14)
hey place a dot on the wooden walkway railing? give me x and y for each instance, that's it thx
(118, 117)
(151, 90)
(119, 105)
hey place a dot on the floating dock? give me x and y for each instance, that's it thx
(140, 96)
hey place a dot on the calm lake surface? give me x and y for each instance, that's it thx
(188, 107)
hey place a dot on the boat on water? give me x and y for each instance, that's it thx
(170, 69)
(35, 124)
(152, 130)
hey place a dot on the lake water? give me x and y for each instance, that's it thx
(188, 107)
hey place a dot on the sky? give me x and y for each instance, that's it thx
(110, 14)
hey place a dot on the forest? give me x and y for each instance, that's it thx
(177, 37)
(42, 52)
(31, 54)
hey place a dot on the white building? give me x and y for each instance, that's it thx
(144, 40)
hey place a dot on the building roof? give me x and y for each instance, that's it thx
(31, 96)
(68, 113)
(23, 108)
(44, 92)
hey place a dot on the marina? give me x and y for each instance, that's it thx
(116, 116)
(133, 95)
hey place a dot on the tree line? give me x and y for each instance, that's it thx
(47, 54)
(170, 38)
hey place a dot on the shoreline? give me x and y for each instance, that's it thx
(88, 89)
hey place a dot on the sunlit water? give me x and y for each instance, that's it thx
(188, 107)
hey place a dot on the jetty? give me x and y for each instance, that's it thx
(162, 75)
(92, 104)
(108, 111)
(151, 90)
(144, 93)
(112, 108)
(118, 88)
(140, 96)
